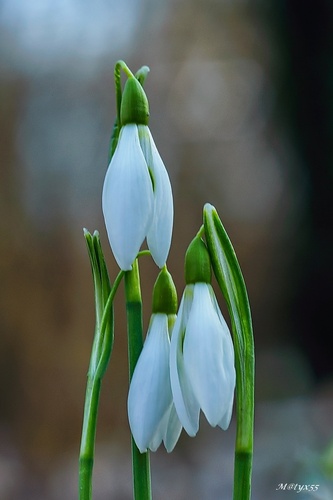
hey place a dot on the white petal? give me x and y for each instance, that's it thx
(160, 231)
(225, 420)
(127, 198)
(168, 431)
(150, 394)
(172, 430)
(160, 431)
(186, 405)
(229, 363)
(207, 357)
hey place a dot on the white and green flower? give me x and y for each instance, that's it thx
(202, 370)
(137, 197)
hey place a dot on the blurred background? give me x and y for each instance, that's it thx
(241, 102)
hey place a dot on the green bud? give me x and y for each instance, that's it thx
(197, 263)
(165, 294)
(134, 106)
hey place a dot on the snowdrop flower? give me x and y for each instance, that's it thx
(201, 354)
(137, 197)
(151, 412)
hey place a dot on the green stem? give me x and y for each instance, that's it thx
(86, 461)
(140, 461)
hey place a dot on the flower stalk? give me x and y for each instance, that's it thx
(140, 461)
(87, 449)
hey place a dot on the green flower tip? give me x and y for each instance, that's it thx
(134, 104)
(197, 263)
(165, 294)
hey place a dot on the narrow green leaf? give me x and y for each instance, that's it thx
(99, 359)
(230, 279)
(104, 327)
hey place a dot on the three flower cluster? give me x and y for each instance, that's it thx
(187, 361)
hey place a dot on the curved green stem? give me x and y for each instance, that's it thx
(140, 461)
(142, 253)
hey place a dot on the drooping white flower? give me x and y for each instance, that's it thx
(127, 198)
(151, 412)
(137, 198)
(202, 360)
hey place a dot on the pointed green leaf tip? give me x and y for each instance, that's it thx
(134, 104)
(197, 263)
(165, 294)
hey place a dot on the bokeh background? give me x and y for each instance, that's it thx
(241, 100)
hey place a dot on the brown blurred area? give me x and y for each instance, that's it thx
(241, 112)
